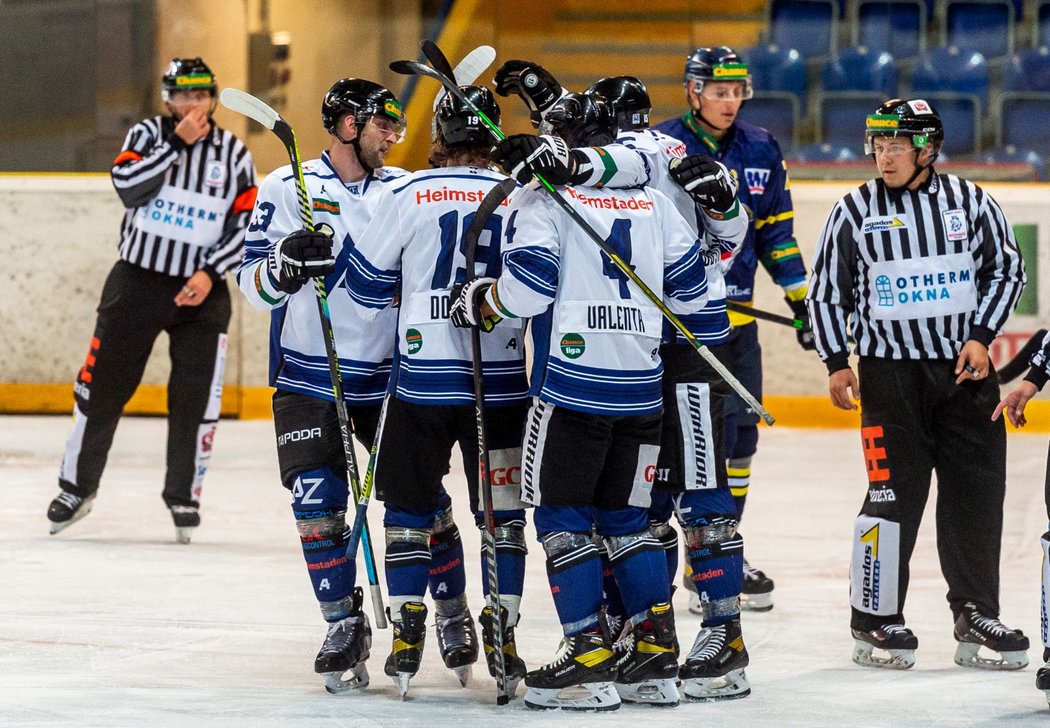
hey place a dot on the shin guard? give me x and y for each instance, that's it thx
(319, 505)
(446, 575)
(575, 576)
(716, 557)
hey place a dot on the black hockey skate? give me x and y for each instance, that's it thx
(66, 509)
(410, 633)
(714, 667)
(458, 641)
(646, 664)
(895, 639)
(757, 594)
(345, 649)
(1042, 676)
(514, 665)
(579, 678)
(974, 630)
(187, 519)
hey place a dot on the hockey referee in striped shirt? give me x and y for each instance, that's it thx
(922, 269)
(188, 187)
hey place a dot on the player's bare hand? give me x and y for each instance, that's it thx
(193, 126)
(1013, 404)
(195, 290)
(844, 389)
(972, 363)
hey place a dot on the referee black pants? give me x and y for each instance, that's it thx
(136, 306)
(915, 420)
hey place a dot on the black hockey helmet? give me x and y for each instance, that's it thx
(915, 119)
(629, 99)
(581, 120)
(716, 64)
(187, 74)
(460, 123)
(363, 99)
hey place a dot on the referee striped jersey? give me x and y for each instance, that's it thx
(187, 206)
(913, 274)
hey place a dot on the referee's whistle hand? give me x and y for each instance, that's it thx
(844, 389)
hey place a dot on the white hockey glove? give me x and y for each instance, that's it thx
(525, 155)
(300, 256)
(708, 181)
(466, 299)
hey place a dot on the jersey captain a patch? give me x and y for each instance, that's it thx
(883, 223)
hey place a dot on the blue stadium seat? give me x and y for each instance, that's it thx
(824, 153)
(952, 70)
(809, 26)
(896, 26)
(1028, 71)
(1012, 154)
(961, 116)
(841, 117)
(777, 112)
(776, 68)
(860, 69)
(981, 25)
(1041, 35)
(1022, 121)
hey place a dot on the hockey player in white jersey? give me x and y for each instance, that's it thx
(593, 433)
(691, 477)
(416, 236)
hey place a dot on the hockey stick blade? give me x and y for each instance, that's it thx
(437, 59)
(1019, 363)
(257, 110)
(470, 69)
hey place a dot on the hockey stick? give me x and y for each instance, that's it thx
(361, 508)
(469, 69)
(410, 68)
(1019, 363)
(488, 205)
(246, 104)
(764, 315)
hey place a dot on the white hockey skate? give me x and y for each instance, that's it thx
(974, 630)
(66, 509)
(579, 678)
(341, 660)
(714, 667)
(757, 592)
(895, 640)
(187, 519)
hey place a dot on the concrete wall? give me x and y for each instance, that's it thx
(58, 238)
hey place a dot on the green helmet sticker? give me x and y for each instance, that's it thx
(920, 140)
(883, 122)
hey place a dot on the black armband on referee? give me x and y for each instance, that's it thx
(982, 335)
(1037, 376)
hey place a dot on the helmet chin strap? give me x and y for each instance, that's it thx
(356, 144)
(918, 169)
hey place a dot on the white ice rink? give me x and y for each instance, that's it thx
(110, 623)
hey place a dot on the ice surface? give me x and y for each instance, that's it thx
(111, 623)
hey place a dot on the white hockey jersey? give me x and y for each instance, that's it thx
(298, 361)
(641, 158)
(596, 337)
(417, 232)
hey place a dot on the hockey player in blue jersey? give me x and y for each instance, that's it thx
(593, 433)
(344, 187)
(717, 83)
(691, 474)
(415, 236)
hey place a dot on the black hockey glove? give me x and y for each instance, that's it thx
(708, 181)
(532, 82)
(300, 256)
(804, 334)
(525, 155)
(466, 299)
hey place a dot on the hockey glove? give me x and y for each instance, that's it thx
(708, 181)
(465, 309)
(300, 256)
(532, 82)
(805, 333)
(525, 155)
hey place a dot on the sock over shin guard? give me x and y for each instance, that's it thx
(319, 505)
(407, 556)
(510, 560)
(716, 557)
(446, 575)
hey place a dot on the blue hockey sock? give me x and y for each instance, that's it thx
(319, 504)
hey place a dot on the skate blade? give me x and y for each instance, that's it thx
(357, 679)
(85, 509)
(731, 686)
(401, 681)
(464, 673)
(756, 602)
(659, 693)
(967, 654)
(588, 697)
(184, 534)
(863, 655)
